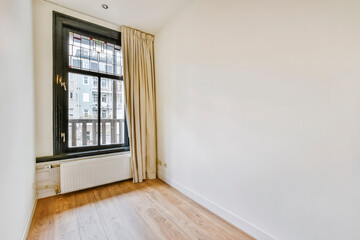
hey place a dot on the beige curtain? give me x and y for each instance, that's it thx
(139, 82)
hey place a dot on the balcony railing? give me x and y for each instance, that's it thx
(83, 132)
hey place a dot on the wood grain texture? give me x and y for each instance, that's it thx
(123, 210)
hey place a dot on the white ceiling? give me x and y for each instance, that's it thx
(146, 15)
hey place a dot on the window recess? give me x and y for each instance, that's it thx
(88, 81)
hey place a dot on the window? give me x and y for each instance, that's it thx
(86, 113)
(95, 98)
(103, 113)
(86, 80)
(86, 97)
(103, 83)
(103, 98)
(89, 63)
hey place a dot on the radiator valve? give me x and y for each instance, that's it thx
(57, 189)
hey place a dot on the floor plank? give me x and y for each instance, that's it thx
(214, 226)
(138, 227)
(114, 224)
(152, 214)
(176, 214)
(89, 221)
(65, 218)
(123, 210)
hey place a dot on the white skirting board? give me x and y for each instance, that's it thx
(220, 211)
(30, 217)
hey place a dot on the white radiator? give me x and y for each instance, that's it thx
(93, 172)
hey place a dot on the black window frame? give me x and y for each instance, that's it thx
(62, 25)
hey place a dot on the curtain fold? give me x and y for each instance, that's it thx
(139, 84)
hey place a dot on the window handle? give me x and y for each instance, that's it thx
(59, 80)
(62, 84)
(63, 137)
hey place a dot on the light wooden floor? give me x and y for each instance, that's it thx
(149, 210)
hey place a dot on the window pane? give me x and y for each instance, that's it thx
(102, 67)
(84, 53)
(84, 64)
(77, 39)
(118, 71)
(102, 57)
(74, 62)
(112, 116)
(109, 69)
(83, 116)
(93, 55)
(94, 66)
(118, 61)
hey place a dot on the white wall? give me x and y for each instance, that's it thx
(258, 110)
(17, 156)
(43, 61)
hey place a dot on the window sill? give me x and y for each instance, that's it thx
(81, 154)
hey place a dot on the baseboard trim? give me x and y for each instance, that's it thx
(30, 217)
(220, 211)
